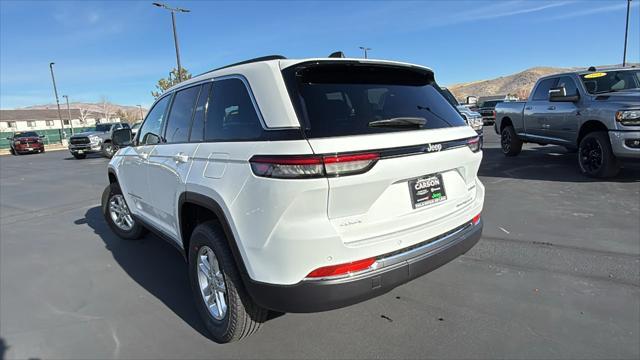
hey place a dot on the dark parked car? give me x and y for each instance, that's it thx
(26, 142)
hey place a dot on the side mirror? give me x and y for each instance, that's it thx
(122, 138)
(559, 94)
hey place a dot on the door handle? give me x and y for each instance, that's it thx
(551, 108)
(180, 158)
(528, 108)
(546, 126)
(144, 155)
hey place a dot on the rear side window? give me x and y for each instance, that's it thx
(343, 99)
(542, 91)
(231, 115)
(179, 121)
(152, 126)
(197, 127)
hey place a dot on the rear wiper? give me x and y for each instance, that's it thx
(436, 115)
(416, 122)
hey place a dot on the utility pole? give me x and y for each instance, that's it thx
(365, 49)
(175, 33)
(55, 91)
(69, 110)
(626, 34)
(140, 110)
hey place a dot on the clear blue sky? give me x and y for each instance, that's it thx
(120, 49)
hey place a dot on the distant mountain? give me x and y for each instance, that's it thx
(519, 84)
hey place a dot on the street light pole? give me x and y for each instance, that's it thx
(175, 33)
(365, 49)
(55, 91)
(626, 33)
(140, 109)
(69, 110)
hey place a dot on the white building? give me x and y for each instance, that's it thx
(47, 119)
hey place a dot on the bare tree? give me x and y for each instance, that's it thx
(107, 108)
(84, 114)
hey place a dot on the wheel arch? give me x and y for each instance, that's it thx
(588, 127)
(113, 178)
(504, 122)
(194, 208)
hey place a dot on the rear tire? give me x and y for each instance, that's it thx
(509, 141)
(117, 215)
(79, 156)
(241, 316)
(595, 156)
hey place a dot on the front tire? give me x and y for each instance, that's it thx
(509, 141)
(228, 311)
(116, 213)
(12, 151)
(108, 150)
(595, 156)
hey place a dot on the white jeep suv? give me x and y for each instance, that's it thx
(299, 185)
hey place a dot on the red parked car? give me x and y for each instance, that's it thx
(26, 142)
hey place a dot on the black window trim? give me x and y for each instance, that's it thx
(206, 111)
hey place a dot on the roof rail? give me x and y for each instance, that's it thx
(258, 59)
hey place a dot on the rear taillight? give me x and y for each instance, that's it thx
(474, 144)
(476, 219)
(342, 269)
(312, 166)
(287, 167)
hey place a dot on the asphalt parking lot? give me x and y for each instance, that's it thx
(556, 275)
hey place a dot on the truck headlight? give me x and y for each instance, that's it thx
(628, 117)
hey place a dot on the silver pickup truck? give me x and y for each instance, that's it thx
(594, 112)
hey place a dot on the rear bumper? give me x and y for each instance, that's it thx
(396, 269)
(622, 144)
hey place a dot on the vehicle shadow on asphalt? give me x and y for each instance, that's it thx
(546, 163)
(154, 264)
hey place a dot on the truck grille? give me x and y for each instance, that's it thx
(79, 140)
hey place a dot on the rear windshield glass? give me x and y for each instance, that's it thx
(345, 99)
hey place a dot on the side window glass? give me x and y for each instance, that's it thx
(542, 91)
(231, 115)
(568, 84)
(197, 128)
(179, 120)
(152, 126)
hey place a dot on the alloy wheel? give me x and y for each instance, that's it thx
(505, 141)
(119, 212)
(212, 283)
(591, 155)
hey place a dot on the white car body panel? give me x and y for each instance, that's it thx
(285, 228)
